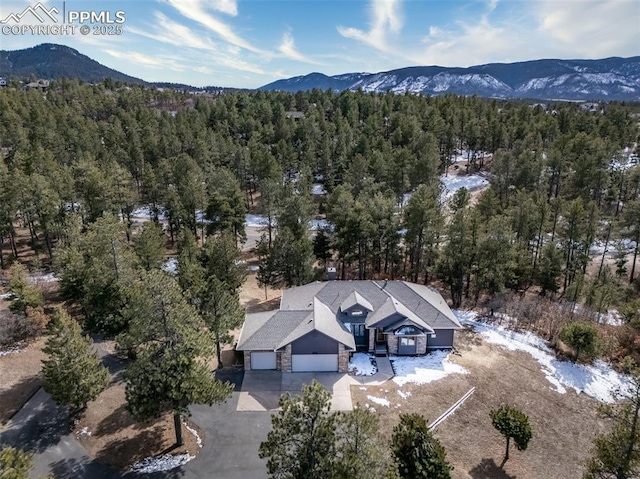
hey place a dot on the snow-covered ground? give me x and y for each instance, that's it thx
(318, 189)
(256, 221)
(362, 364)
(195, 434)
(597, 248)
(597, 380)
(423, 369)
(453, 183)
(43, 278)
(315, 225)
(403, 394)
(12, 350)
(160, 463)
(170, 266)
(380, 401)
(145, 213)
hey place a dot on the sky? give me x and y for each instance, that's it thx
(249, 43)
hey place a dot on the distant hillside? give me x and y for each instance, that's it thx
(606, 79)
(50, 61)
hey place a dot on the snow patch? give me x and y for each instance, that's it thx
(170, 266)
(453, 183)
(84, 432)
(404, 395)
(195, 434)
(6, 296)
(257, 221)
(423, 369)
(11, 350)
(160, 463)
(362, 364)
(380, 401)
(38, 278)
(597, 380)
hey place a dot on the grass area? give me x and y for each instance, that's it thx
(563, 424)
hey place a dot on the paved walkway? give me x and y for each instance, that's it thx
(261, 390)
(385, 372)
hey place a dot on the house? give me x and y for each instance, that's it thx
(319, 325)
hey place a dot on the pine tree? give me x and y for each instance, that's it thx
(25, 294)
(301, 444)
(149, 246)
(171, 347)
(221, 312)
(616, 454)
(512, 424)
(15, 464)
(582, 337)
(72, 374)
(418, 453)
(360, 452)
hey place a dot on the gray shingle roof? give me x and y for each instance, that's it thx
(425, 302)
(318, 307)
(265, 331)
(322, 320)
(354, 299)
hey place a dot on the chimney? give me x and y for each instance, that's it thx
(332, 274)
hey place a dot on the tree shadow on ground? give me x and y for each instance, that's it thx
(488, 469)
(44, 425)
(74, 468)
(114, 422)
(12, 399)
(233, 375)
(257, 306)
(121, 453)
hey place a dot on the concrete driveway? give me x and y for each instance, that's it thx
(261, 390)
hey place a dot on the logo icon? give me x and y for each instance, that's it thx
(51, 13)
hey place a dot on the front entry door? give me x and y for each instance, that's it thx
(360, 335)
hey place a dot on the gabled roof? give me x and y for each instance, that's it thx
(354, 299)
(318, 307)
(397, 314)
(324, 321)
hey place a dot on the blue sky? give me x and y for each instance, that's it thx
(248, 43)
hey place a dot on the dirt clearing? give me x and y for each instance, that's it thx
(563, 424)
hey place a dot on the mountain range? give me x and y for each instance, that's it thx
(50, 61)
(607, 79)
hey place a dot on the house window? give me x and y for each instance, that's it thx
(407, 341)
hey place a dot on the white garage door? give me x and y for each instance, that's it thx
(314, 362)
(266, 360)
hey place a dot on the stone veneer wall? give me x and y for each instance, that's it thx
(285, 359)
(421, 344)
(343, 359)
(392, 343)
(247, 360)
(372, 340)
(279, 361)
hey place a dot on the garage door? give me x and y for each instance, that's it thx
(314, 362)
(266, 360)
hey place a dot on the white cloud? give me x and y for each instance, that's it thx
(385, 18)
(590, 28)
(195, 10)
(173, 33)
(230, 7)
(506, 32)
(288, 49)
(140, 58)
